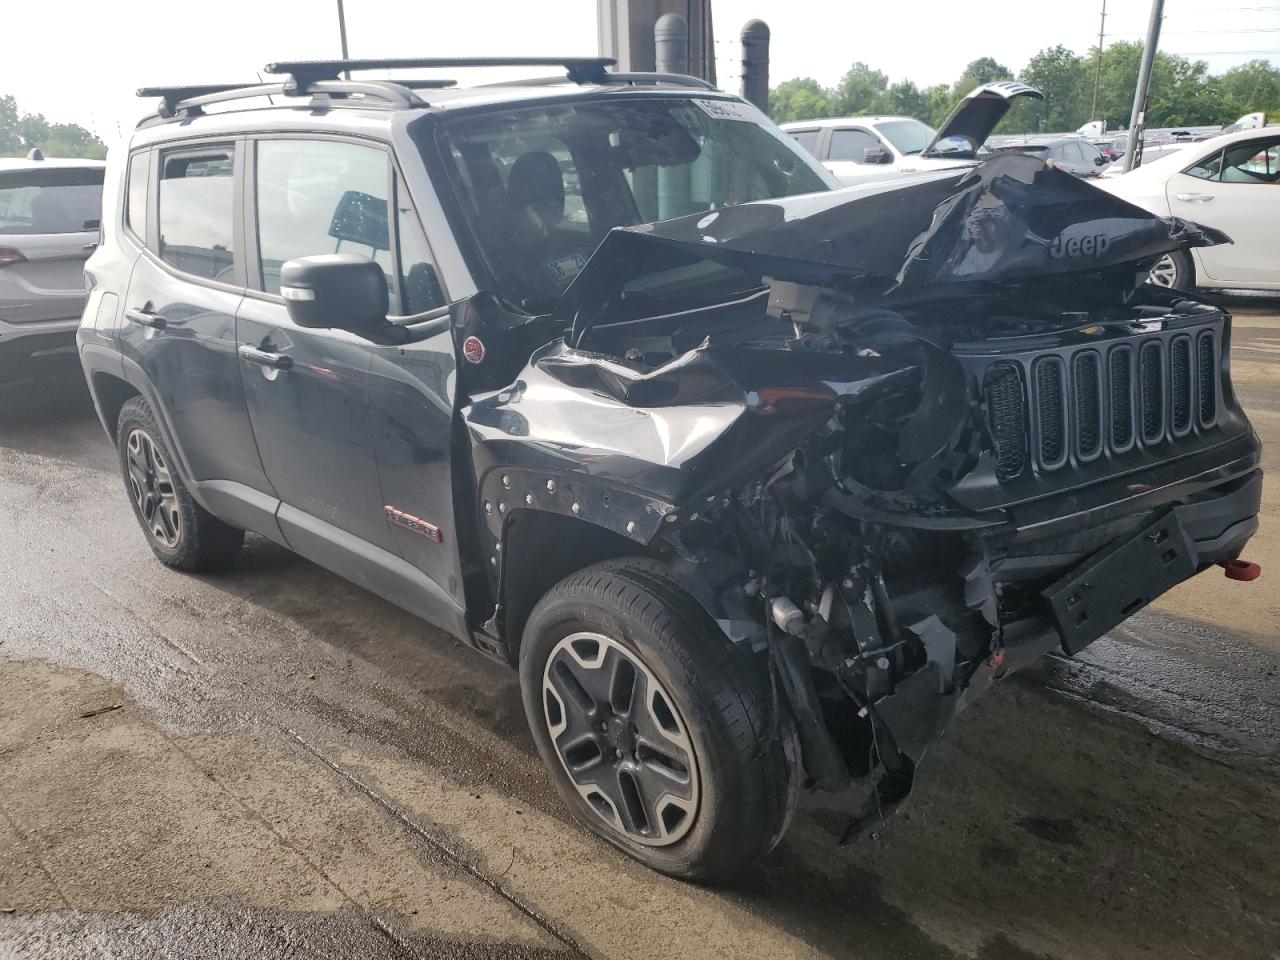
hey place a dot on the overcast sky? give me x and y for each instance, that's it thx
(80, 60)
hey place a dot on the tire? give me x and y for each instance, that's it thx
(691, 702)
(182, 534)
(1174, 270)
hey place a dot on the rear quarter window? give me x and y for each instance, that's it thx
(48, 201)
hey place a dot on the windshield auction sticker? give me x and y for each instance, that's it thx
(729, 110)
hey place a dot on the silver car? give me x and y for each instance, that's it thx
(49, 215)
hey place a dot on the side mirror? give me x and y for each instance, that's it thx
(876, 155)
(340, 291)
(1100, 160)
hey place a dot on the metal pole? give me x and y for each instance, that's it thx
(671, 55)
(1138, 118)
(755, 63)
(342, 31)
(1097, 73)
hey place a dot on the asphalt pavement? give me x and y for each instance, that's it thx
(274, 763)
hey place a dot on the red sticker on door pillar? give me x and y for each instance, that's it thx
(473, 349)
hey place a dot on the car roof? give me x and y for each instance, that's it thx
(836, 122)
(370, 118)
(22, 163)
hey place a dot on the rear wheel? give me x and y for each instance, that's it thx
(1173, 270)
(181, 533)
(657, 731)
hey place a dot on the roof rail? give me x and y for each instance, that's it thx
(676, 79)
(303, 73)
(172, 96)
(191, 100)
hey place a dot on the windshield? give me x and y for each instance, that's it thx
(907, 136)
(55, 200)
(540, 187)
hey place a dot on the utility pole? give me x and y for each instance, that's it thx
(1097, 71)
(342, 31)
(1138, 118)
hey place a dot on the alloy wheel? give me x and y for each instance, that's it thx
(152, 486)
(621, 740)
(1164, 273)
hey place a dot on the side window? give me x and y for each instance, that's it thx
(419, 285)
(321, 196)
(135, 213)
(197, 200)
(1254, 161)
(1208, 168)
(851, 144)
(807, 139)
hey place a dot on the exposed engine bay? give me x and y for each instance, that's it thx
(901, 439)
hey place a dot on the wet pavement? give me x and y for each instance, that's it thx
(274, 763)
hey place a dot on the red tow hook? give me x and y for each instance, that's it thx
(1241, 570)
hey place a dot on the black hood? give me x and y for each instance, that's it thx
(1010, 221)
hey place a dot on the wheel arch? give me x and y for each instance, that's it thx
(541, 548)
(111, 393)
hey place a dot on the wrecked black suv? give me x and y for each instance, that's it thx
(758, 482)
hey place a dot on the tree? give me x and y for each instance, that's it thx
(1250, 87)
(980, 71)
(1064, 79)
(21, 132)
(799, 99)
(861, 90)
(10, 138)
(906, 99)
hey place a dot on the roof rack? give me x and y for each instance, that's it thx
(190, 101)
(304, 73)
(676, 79)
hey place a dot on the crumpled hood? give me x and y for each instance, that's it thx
(1008, 220)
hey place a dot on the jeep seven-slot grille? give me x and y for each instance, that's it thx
(1152, 386)
(1046, 411)
(1180, 385)
(1087, 388)
(1051, 411)
(1120, 381)
(1008, 418)
(1207, 378)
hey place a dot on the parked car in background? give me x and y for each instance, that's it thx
(1150, 153)
(1076, 155)
(1231, 182)
(49, 213)
(859, 149)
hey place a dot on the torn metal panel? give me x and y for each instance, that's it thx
(870, 430)
(1009, 220)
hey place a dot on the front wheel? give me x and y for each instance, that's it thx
(1173, 270)
(658, 733)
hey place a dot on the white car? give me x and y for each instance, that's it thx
(858, 149)
(1231, 182)
(49, 213)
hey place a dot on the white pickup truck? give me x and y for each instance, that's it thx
(858, 149)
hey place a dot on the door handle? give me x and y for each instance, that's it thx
(1195, 197)
(89, 247)
(146, 318)
(265, 358)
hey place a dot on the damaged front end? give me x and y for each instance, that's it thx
(903, 438)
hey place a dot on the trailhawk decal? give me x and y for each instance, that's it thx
(413, 524)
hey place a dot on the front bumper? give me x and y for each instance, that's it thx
(1131, 561)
